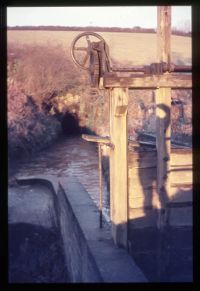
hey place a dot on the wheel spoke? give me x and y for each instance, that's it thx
(88, 40)
(85, 59)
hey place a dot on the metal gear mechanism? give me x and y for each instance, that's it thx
(86, 53)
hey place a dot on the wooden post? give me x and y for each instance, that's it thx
(163, 110)
(118, 165)
(100, 186)
(164, 34)
(163, 133)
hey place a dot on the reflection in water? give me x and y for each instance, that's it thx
(70, 156)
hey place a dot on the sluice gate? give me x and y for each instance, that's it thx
(150, 190)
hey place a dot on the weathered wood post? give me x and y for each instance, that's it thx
(118, 165)
(163, 110)
(163, 132)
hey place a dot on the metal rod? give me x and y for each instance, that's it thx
(183, 69)
(131, 69)
(100, 186)
(175, 68)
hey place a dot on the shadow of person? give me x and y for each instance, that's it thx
(153, 168)
(153, 171)
(163, 147)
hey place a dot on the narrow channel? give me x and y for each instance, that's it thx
(70, 156)
(34, 237)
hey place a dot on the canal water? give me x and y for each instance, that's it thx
(35, 244)
(70, 156)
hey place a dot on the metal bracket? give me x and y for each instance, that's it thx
(99, 139)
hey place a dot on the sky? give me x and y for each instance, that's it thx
(118, 16)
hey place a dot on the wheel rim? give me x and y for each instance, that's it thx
(73, 49)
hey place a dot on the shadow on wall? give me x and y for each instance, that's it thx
(164, 254)
(167, 255)
(147, 170)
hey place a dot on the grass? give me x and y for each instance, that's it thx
(127, 48)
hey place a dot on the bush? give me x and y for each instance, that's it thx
(42, 71)
(28, 129)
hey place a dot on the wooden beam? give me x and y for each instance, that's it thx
(136, 81)
(118, 165)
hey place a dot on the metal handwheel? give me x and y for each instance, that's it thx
(81, 48)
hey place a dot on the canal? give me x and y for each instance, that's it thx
(35, 244)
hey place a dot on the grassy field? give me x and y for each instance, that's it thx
(125, 48)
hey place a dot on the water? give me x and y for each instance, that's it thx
(35, 245)
(70, 156)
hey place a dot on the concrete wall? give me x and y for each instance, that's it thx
(91, 254)
(80, 263)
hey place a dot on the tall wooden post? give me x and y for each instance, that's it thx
(118, 165)
(164, 33)
(163, 110)
(163, 133)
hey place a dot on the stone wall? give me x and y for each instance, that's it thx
(81, 265)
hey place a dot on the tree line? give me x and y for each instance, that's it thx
(136, 29)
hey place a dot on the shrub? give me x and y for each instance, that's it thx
(43, 71)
